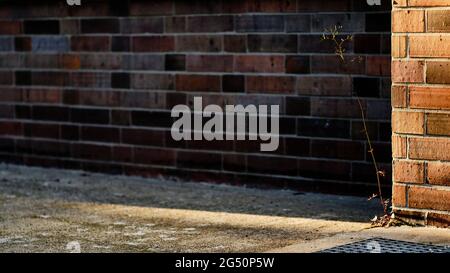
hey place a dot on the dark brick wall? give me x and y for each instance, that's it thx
(91, 88)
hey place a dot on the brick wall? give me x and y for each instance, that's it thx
(91, 88)
(421, 110)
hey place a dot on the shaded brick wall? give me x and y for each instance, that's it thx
(91, 88)
(421, 114)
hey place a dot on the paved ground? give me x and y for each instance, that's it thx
(47, 210)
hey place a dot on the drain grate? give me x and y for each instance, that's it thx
(381, 245)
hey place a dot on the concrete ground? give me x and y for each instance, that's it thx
(48, 210)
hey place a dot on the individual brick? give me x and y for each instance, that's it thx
(194, 43)
(50, 44)
(438, 72)
(120, 80)
(209, 63)
(270, 84)
(399, 45)
(221, 23)
(99, 26)
(142, 25)
(120, 44)
(175, 24)
(10, 27)
(399, 144)
(331, 64)
(399, 195)
(367, 43)
(436, 46)
(438, 124)
(429, 148)
(399, 96)
(89, 116)
(175, 62)
(378, 22)
(90, 43)
(408, 122)
(297, 64)
(378, 65)
(348, 22)
(235, 43)
(22, 43)
(153, 43)
(429, 97)
(298, 23)
(324, 86)
(41, 26)
(259, 23)
(409, 171)
(408, 21)
(297, 106)
(327, 128)
(259, 63)
(272, 43)
(197, 7)
(408, 71)
(197, 83)
(6, 44)
(152, 81)
(233, 83)
(152, 7)
(438, 173)
(366, 87)
(428, 198)
(438, 21)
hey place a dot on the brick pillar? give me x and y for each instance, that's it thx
(421, 111)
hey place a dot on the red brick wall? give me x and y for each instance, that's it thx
(421, 111)
(91, 87)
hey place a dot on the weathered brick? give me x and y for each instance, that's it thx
(142, 25)
(366, 87)
(399, 145)
(272, 6)
(41, 26)
(197, 83)
(428, 198)
(99, 26)
(120, 43)
(429, 97)
(100, 134)
(233, 83)
(438, 220)
(235, 43)
(409, 171)
(270, 84)
(152, 81)
(298, 23)
(408, 71)
(378, 22)
(10, 27)
(204, 43)
(143, 137)
(438, 21)
(259, 23)
(209, 63)
(197, 7)
(408, 122)
(297, 64)
(399, 195)
(22, 43)
(259, 63)
(153, 43)
(438, 173)
(272, 43)
(408, 21)
(427, 3)
(325, 86)
(399, 45)
(50, 44)
(85, 43)
(348, 22)
(429, 46)
(175, 62)
(222, 23)
(438, 72)
(175, 24)
(367, 43)
(429, 148)
(378, 65)
(330, 107)
(139, 62)
(6, 77)
(399, 96)
(328, 128)
(438, 124)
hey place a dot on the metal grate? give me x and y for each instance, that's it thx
(381, 245)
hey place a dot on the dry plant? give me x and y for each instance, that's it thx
(332, 34)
